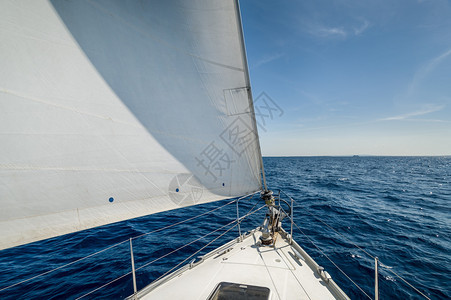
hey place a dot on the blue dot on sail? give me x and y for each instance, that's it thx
(111, 199)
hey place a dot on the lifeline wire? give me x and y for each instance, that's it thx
(101, 287)
(192, 218)
(193, 241)
(50, 271)
(210, 242)
(355, 245)
(331, 260)
(199, 249)
(115, 245)
(151, 262)
(108, 283)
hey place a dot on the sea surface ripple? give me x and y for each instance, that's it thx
(395, 208)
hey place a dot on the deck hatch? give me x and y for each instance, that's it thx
(237, 291)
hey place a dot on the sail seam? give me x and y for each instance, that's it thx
(37, 100)
(44, 168)
(14, 93)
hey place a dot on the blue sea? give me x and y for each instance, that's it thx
(395, 208)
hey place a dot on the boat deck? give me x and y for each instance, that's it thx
(285, 269)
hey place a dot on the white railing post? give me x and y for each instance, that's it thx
(133, 270)
(376, 279)
(292, 220)
(238, 220)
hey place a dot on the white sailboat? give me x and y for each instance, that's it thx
(111, 110)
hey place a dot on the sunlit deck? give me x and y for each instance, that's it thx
(285, 269)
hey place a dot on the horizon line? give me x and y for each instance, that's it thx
(360, 155)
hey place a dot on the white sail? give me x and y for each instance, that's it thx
(111, 110)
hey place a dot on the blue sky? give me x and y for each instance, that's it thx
(351, 77)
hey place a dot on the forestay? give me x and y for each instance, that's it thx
(111, 110)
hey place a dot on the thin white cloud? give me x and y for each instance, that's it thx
(362, 28)
(424, 71)
(429, 120)
(327, 32)
(267, 59)
(407, 116)
(337, 32)
(437, 60)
